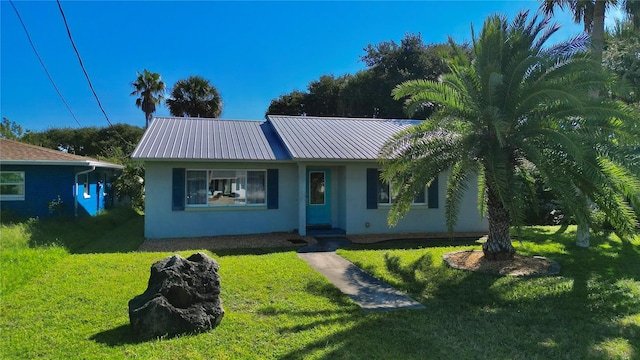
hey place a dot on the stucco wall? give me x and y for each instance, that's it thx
(419, 219)
(348, 196)
(162, 222)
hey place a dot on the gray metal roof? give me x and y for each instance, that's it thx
(170, 138)
(327, 138)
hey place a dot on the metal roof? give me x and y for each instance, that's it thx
(332, 138)
(17, 153)
(209, 139)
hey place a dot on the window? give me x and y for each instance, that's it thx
(387, 195)
(316, 188)
(85, 182)
(12, 185)
(226, 187)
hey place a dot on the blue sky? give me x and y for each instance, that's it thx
(251, 51)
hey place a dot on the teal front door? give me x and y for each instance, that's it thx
(318, 196)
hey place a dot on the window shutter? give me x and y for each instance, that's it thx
(178, 189)
(372, 188)
(272, 188)
(433, 194)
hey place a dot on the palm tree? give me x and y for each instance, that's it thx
(592, 14)
(195, 97)
(150, 89)
(520, 105)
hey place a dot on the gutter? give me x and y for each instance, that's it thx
(75, 195)
(62, 163)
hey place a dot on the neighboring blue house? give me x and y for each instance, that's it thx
(207, 177)
(40, 182)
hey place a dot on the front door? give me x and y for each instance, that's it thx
(318, 196)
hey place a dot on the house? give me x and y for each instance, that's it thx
(206, 177)
(41, 182)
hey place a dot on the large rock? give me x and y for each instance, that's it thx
(183, 296)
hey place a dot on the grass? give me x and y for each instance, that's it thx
(72, 301)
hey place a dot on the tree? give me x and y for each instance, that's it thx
(519, 105)
(322, 99)
(114, 142)
(130, 184)
(194, 97)
(288, 104)
(592, 14)
(622, 46)
(366, 93)
(150, 89)
(10, 130)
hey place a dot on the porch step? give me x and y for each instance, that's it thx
(317, 231)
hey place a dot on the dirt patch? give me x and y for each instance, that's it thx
(474, 260)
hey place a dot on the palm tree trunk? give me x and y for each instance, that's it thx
(498, 245)
(147, 117)
(597, 32)
(582, 235)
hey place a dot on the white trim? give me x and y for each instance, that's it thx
(23, 183)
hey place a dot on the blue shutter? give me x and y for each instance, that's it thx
(433, 194)
(272, 188)
(372, 188)
(178, 192)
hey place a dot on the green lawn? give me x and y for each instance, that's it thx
(65, 294)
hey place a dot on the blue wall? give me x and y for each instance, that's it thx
(43, 184)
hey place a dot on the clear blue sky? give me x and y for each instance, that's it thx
(251, 51)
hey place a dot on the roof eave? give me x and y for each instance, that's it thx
(62, 163)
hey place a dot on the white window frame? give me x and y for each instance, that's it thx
(22, 184)
(87, 186)
(208, 180)
(390, 192)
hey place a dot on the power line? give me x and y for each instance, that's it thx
(81, 64)
(42, 63)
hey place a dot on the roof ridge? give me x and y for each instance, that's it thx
(341, 118)
(204, 119)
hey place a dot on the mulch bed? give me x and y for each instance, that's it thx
(474, 260)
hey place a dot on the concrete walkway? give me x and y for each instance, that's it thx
(368, 292)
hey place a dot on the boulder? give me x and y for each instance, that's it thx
(183, 296)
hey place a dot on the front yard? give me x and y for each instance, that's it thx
(65, 294)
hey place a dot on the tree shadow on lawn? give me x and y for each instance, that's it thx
(472, 315)
(114, 231)
(416, 243)
(254, 251)
(398, 244)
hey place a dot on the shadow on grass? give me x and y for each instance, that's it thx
(417, 243)
(255, 251)
(121, 335)
(116, 230)
(470, 315)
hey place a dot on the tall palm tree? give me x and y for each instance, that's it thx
(150, 89)
(592, 14)
(195, 97)
(520, 105)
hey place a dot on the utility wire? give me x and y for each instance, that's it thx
(42, 63)
(81, 64)
(64, 18)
